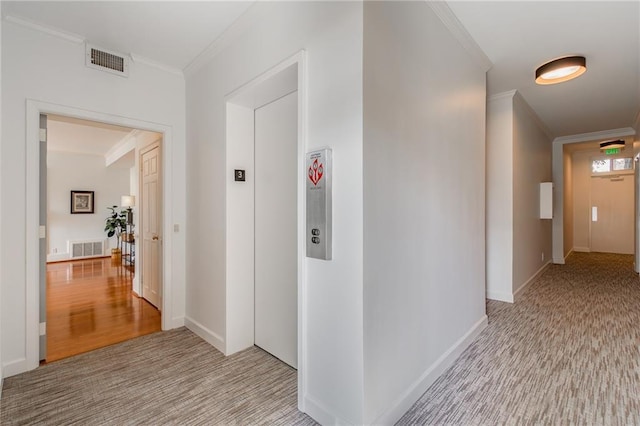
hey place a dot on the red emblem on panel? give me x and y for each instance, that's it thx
(315, 172)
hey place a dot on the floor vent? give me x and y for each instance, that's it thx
(107, 61)
(85, 249)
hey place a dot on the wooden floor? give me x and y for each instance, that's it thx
(90, 305)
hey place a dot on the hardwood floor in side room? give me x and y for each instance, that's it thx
(90, 305)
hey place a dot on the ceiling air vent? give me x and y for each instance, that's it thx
(105, 60)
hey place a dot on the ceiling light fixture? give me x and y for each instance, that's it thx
(560, 70)
(616, 144)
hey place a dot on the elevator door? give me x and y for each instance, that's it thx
(276, 267)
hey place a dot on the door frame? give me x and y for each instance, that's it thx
(33, 231)
(244, 328)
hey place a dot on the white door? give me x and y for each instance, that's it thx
(276, 267)
(151, 221)
(612, 225)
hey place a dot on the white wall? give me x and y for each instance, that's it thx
(148, 95)
(424, 203)
(568, 203)
(499, 238)
(1, 235)
(518, 159)
(581, 179)
(531, 165)
(331, 35)
(72, 171)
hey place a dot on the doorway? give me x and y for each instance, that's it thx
(35, 296)
(265, 215)
(276, 268)
(612, 220)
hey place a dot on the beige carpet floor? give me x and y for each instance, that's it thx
(167, 378)
(566, 353)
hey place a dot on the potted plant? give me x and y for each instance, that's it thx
(116, 224)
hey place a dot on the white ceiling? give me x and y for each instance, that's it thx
(172, 33)
(87, 137)
(520, 36)
(516, 36)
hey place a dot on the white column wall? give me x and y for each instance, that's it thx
(424, 203)
(531, 165)
(500, 197)
(147, 95)
(331, 35)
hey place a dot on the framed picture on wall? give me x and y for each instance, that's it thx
(81, 202)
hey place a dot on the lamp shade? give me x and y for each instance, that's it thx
(560, 70)
(128, 201)
(615, 144)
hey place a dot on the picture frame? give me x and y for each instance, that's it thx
(82, 202)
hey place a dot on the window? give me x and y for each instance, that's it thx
(600, 166)
(611, 165)
(622, 164)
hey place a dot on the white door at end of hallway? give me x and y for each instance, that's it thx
(151, 209)
(612, 214)
(276, 258)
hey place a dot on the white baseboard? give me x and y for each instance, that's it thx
(15, 367)
(500, 296)
(58, 257)
(400, 406)
(320, 414)
(581, 250)
(568, 254)
(177, 322)
(207, 335)
(558, 261)
(532, 279)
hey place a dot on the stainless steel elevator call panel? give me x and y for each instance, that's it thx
(318, 233)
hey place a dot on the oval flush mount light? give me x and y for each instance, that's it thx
(560, 70)
(616, 144)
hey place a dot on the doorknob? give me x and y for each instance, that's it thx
(155, 238)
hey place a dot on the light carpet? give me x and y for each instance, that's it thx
(167, 378)
(566, 353)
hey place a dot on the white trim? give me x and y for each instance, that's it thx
(239, 27)
(15, 367)
(460, 33)
(400, 406)
(177, 322)
(532, 279)
(534, 116)
(43, 328)
(320, 413)
(501, 95)
(300, 59)
(579, 250)
(56, 32)
(594, 136)
(500, 296)
(32, 293)
(207, 335)
(139, 59)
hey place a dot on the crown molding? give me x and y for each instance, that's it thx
(235, 30)
(594, 136)
(65, 35)
(534, 115)
(502, 95)
(138, 59)
(453, 24)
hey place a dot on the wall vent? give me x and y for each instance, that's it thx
(86, 249)
(105, 60)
